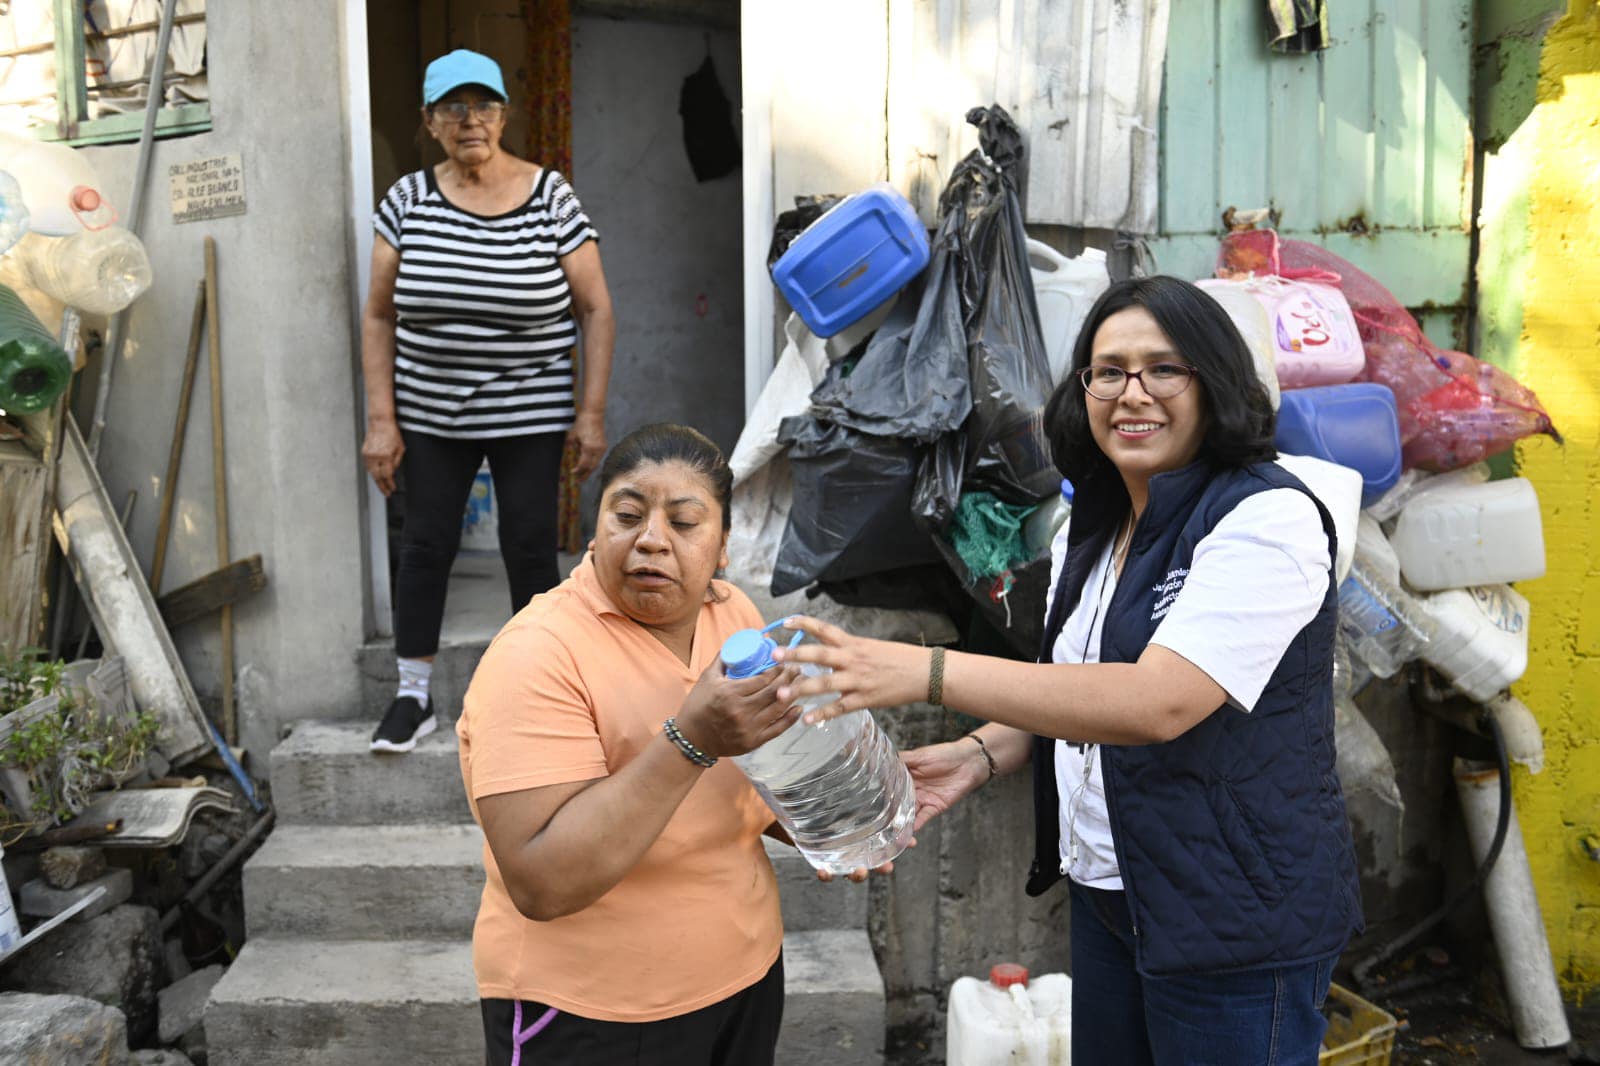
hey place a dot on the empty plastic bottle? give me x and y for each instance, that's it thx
(838, 788)
(1380, 621)
(13, 212)
(1039, 528)
(33, 368)
(100, 271)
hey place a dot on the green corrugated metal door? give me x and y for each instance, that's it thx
(1364, 148)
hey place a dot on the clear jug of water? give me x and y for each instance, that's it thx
(838, 788)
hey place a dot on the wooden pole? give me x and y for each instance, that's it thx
(169, 485)
(219, 478)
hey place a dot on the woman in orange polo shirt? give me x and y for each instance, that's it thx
(630, 914)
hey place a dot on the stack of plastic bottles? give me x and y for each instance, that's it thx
(1436, 585)
(55, 219)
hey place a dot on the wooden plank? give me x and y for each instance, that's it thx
(120, 603)
(215, 590)
(23, 540)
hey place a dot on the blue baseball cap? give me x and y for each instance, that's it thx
(459, 68)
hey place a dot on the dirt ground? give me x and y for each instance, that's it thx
(1450, 1024)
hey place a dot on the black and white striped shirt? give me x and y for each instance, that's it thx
(484, 329)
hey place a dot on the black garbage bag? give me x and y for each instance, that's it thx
(851, 509)
(911, 380)
(1006, 452)
(792, 223)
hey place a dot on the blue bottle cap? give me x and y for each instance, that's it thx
(747, 653)
(1066, 490)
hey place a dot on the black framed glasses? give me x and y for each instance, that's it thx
(1160, 380)
(457, 110)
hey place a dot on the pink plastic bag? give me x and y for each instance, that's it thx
(1454, 409)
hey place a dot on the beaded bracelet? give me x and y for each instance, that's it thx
(993, 769)
(690, 752)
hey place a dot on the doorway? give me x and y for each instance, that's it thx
(672, 245)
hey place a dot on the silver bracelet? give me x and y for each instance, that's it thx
(690, 752)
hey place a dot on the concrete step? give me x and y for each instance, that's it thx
(345, 1003)
(421, 881)
(833, 1007)
(452, 672)
(366, 1003)
(365, 882)
(324, 774)
(809, 904)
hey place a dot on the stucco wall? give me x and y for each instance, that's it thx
(287, 370)
(1539, 278)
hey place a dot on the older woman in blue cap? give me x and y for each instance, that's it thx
(486, 287)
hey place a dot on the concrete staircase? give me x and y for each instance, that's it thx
(360, 909)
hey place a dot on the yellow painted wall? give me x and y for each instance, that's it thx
(1557, 150)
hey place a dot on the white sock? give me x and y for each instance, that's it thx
(414, 674)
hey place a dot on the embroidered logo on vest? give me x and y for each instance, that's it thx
(1167, 591)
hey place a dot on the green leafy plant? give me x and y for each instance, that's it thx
(69, 748)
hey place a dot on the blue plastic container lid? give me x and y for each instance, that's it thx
(1067, 490)
(747, 653)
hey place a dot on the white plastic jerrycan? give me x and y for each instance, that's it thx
(1482, 641)
(61, 190)
(1064, 289)
(1460, 534)
(1009, 1020)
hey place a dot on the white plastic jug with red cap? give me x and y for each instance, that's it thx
(63, 193)
(1010, 1019)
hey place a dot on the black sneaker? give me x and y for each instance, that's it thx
(404, 723)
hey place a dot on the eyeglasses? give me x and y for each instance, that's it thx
(1164, 380)
(456, 111)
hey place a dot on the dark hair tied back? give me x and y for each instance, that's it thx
(667, 442)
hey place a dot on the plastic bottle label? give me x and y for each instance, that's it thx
(1499, 609)
(1362, 609)
(1305, 325)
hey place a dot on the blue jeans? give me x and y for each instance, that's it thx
(1268, 1017)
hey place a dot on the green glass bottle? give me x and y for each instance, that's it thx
(33, 368)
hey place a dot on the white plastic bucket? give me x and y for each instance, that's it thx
(1022, 1025)
(1458, 535)
(1482, 641)
(1064, 289)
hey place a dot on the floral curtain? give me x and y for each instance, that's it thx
(547, 94)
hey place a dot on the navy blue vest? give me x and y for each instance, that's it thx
(1232, 839)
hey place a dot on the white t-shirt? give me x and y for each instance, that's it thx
(1255, 581)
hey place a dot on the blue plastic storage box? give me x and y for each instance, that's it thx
(852, 259)
(1353, 425)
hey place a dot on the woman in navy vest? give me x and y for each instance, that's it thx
(1179, 721)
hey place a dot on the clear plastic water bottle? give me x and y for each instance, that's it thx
(1039, 528)
(34, 369)
(838, 788)
(100, 271)
(13, 212)
(1380, 621)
